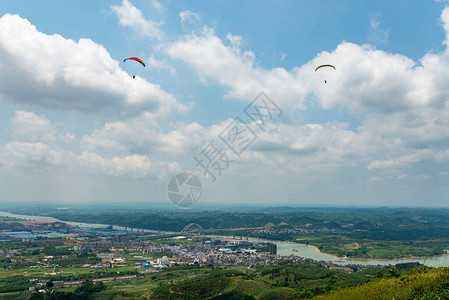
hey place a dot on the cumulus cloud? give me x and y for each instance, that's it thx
(42, 148)
(234, 68)
(402, 161)
(25, 155)
(401, 105)
(160, 65)
(445, 23)
(142, 135)
(296, 149)
(309, 148)
(131, 16)
(39, 156)
(366, 79)
(32, 127)
(83, 78)
(236, 40)
(136, 166)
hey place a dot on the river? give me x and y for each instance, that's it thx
(284, 248)
(79, 224)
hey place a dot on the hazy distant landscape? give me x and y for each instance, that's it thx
(351, 232)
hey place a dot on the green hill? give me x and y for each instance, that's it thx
(416, 284)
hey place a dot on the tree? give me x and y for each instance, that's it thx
(393, 272)
(50, 284)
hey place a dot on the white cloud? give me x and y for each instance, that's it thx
(135, 136)
(445, 22)
(40, 156)
(236, 40)
(67, 137)
(412, 156)
(131, 16)
(157, 5)
(310, 148)
(84, 77)
(156, 64)
(377, 34)
(413, 178)
(32, 127)
(296, 149)
(234, 68)
(142, 135)
(366, 80)
(402, 106)
(26, 155)
(136, 166)
(283, 56)
(188, 19)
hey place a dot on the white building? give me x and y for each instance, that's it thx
(162, 261)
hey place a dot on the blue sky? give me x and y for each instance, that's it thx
(75, 126)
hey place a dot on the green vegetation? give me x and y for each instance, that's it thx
(84, 292)
(282, 281)
(346, 245)
(351, 232)
(193, 289)
(416, 284)
(371, 233)
(84, 257)
(14, 284)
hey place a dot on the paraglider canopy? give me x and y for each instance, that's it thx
(322, 66)
(136, 59)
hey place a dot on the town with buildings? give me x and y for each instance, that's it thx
(40, 256)
(69, 254)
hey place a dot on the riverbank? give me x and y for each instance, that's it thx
(371, 258)
(343, 247)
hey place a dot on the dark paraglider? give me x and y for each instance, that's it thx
(330, 66)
